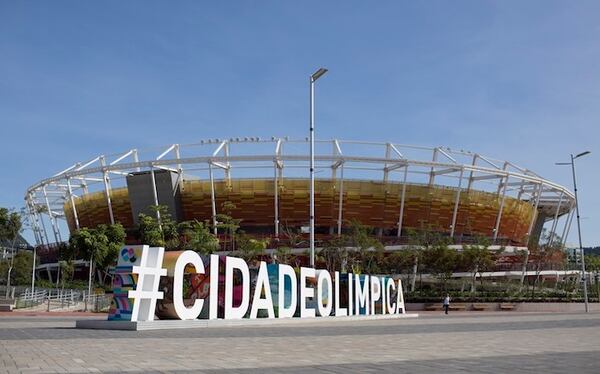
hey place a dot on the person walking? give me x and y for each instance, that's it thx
(446, 303)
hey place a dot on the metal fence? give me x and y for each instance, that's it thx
(97, 302)
(62, 300)
(29, 299)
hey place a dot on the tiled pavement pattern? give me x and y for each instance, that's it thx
(479, 343)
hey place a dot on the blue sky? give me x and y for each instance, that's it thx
(515, 80)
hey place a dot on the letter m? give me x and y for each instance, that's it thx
(361, 294)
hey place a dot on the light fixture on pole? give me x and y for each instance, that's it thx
(313, 78)
(583, 277)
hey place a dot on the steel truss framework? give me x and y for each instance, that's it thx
(407, 164)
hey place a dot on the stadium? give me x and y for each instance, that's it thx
(387, 186)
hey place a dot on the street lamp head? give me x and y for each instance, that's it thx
(582, 154)
(318, 74)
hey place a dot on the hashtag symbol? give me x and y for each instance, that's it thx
(146, 292)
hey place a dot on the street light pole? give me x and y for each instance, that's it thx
(583, 277)
(313, 78)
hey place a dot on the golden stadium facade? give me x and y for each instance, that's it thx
(390, 187)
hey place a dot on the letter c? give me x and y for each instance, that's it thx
(187, 257)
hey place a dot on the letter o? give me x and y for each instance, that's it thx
(324, 278)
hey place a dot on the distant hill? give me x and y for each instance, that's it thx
(592, 251)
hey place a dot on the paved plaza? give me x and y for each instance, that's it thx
(433, 343)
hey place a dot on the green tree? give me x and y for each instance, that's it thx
(67, 269)
(293, 236)
(536, 244)
(23, 261)
(477, 258)
(368, 250)
(226, 223)
(157, 233)
(592, 264)
(92, 245)
(523, 256)
(374, 259)
(10, 228)
(250, 249)
(544, 254)
(149, 231)
(418, 242)
(196, 236)
(441, 261)
(10, 224)
(116, 240)
(335, 254)
(64, 254)
(398, 262)
(283, 255)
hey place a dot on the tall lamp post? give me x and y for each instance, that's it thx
(313, 78)
(584, 277)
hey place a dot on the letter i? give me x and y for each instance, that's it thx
(214, 287)
(350, 294)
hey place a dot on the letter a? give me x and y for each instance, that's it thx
(262, 281)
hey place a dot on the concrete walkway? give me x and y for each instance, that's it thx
(482, 342)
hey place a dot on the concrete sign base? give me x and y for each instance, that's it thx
(207, 323)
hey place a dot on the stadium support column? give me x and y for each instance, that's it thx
(521, 189)
(36, 233)
(33, 222)
(340, 202)
(212, 198)
(432, 173)
(570, 222)
(155, 195)
(75, 216)
(499, 216)
(473, 163)
(179, 169)
(555, 221)
(107, 189)
(83, 184)
(228, 165)
(535, 212)
(567, 224)
(278, 170)
(388, 153)
(52, 218)
(39, 220)
(276, 200)
(456, 202)
(280, 163)
(333, 167)
(337, 152)
(44, 229)
(402, 198)
(136, 159)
